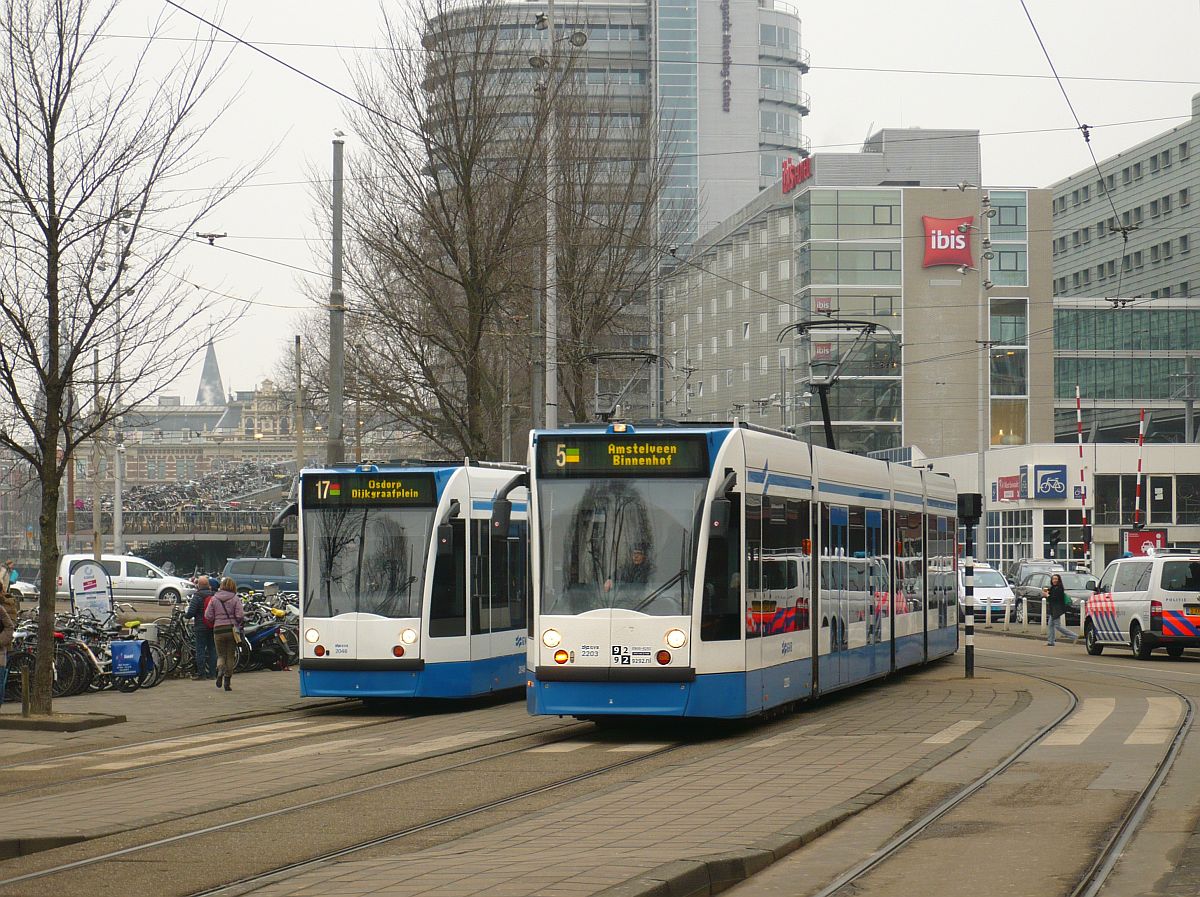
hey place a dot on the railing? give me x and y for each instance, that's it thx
(149, 523)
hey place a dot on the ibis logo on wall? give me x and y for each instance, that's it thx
(947, 241)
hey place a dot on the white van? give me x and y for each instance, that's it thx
(1145, 603)
(133, 579)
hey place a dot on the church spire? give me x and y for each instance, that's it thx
(211, 391)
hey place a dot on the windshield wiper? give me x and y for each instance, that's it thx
(678, 577)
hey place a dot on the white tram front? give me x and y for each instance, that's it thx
(405, 589)
(719, 571)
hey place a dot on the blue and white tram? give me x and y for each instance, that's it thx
(405, 591)
(722, 570)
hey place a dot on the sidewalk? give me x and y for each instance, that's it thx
(169, 707)
(698, 827)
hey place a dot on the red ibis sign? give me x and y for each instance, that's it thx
(1009, 488)
(947, 241)
(1145, 541)
(796, 173)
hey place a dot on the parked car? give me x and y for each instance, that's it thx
(1030, 600)
(1145, 603)
(1019, 570)
(991, 590)
(133, 579)
(22, 590)
(255, 573)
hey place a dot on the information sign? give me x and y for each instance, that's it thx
(91, 589)
(353, 489)
(626, 455)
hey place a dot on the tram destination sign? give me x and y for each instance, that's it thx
(384, 490)
(633, 455)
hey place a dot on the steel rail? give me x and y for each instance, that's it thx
(258, 880)
(917, 828)
(303, 805)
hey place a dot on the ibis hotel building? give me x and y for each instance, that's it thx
(888, 270)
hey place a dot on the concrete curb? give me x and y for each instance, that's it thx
(707, 875)
(10, 848)
(59, 722)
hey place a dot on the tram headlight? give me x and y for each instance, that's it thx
(676, 638)
(551, 638)
(408, 636)
(312, 636)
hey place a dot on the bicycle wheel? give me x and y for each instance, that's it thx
(173, 652)
(64, 674)
(156, 672)
(292, 639)
(19, 664)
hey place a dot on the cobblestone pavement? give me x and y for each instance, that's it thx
(818, 765)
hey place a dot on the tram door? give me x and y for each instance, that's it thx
(756, 512)
(835, 595)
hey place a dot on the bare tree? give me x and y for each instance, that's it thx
(439, 212)
(92, 322)
(612, 238)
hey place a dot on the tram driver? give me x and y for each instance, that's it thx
(635, 571)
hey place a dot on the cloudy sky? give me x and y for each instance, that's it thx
(1130, 73)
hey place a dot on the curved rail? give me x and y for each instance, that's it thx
(918, 827)
(1097, 874)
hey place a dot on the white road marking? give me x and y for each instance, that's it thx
(445, 743)
(787, 737)
(1152, 669)
(306, 750)
(638, 748)
(950, 733)
(1083, 722)
(1158, 725)
(562, 747)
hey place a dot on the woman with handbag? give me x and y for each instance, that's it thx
(226, 616)
(1056, 605)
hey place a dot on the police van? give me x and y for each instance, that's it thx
(1145, 603)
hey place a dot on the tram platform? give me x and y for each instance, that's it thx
(699, 826)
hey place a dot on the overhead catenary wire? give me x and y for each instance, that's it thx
(371, 110)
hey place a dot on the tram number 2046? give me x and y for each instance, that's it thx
(625, 655)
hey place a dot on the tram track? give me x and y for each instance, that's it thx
(1120, 833)
(152, 765)
(564, 734)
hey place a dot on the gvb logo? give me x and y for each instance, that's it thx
(947, 241)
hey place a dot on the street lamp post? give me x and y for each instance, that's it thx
(335, 449)
(577, 39)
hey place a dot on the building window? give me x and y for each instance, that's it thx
(729, 376)
(785, 269)
(745, 372)
(729, 299)
(1009, 422)
(764, 324)
(729, 339)
(1184, 197)
(784, 314)
(763, 367)
(762, 281)
(745, 330)
(746, 287)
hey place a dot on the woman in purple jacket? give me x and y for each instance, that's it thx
(225, 616)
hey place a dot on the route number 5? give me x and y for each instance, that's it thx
(560, 455)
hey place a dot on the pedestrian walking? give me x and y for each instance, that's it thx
(7, 577)
(206, 648)
(1057, 602)
(226, 617)
(8, 625)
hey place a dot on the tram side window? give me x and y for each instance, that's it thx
(779, 565)
(498, 577)
(721, 611)
(448, 603)
(910, 554)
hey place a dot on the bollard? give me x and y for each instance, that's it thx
(24, 692)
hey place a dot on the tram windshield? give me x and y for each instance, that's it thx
(619, 543)
(365, 560)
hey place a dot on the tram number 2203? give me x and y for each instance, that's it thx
(624, 655)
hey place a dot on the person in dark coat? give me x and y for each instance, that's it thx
(1056, 606)
(206, 649)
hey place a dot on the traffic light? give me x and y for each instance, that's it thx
(1055, 536)
(1087, 534)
